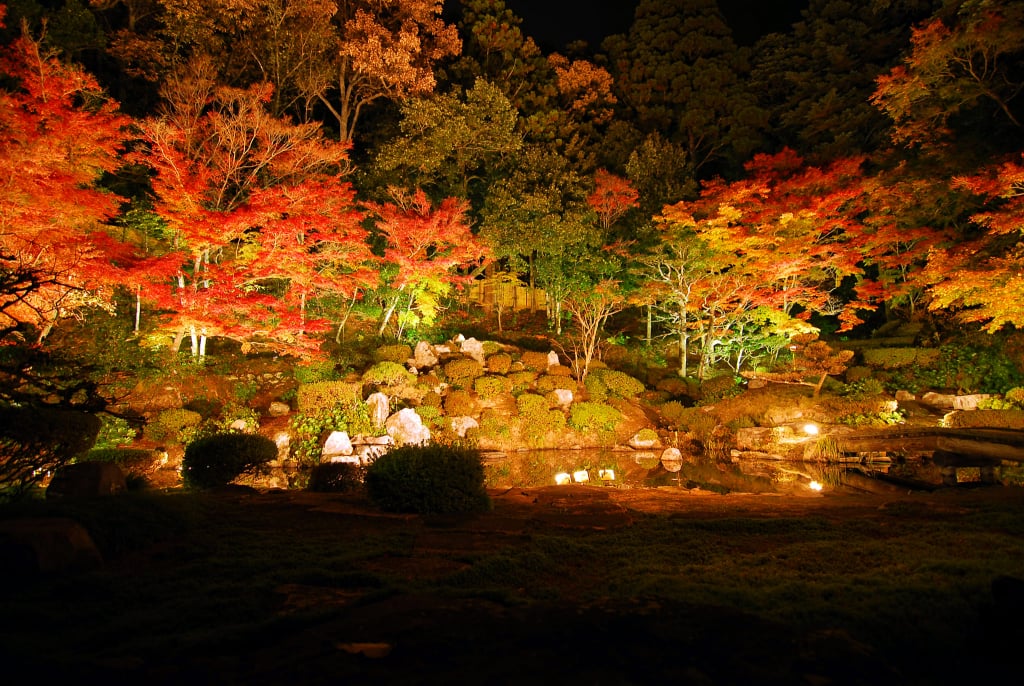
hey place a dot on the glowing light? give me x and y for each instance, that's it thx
(606, 474)
(562, 478)
(815, 486)
(581, 476)
(811, 429)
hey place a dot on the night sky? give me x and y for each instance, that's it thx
(553, 23)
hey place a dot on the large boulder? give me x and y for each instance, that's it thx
(424, 356)
(471, 347)
(379, 407)
(86, 480)
(40, 546)
(337, 445)
(406, 428)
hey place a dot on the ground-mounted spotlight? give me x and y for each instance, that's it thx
(815, 486)
(606, 474)
(811, 429)
(562, 478)
(581, 476)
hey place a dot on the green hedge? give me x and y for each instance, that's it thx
(325, 395)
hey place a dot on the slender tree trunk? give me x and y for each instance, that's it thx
(138, 307)
(195, 340)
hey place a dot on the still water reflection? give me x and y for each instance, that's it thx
(532, 468)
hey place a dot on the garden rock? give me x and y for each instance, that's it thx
(406, 428)
(563, 396)
(44, 545)
(278, 409)
(672, 459)
(969, 402)
(638, 443)
(461, 425)
(379, 408)
(337, 445)
(424, 355)
(473, 348)
(941, 401)
(905, 396)
(86, 480)
(553, 359)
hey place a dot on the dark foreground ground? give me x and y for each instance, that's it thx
(573, 585)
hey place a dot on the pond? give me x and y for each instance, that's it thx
(645, 469)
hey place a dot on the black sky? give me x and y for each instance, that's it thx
(554, 23)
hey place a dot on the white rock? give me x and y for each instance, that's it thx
(239, 425)
(337, 444)
(969, 402)
(903, 396)
(461, 425)
(552, 358)
(564, 396)
(642, 443)
(473, 348)
(939, 400)
(672, 459)
(424, 355)
(406, 428)
(379, 408)
(344, 459)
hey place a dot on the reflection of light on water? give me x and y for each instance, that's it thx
(581, 476)
(562, 478)
(815, 486)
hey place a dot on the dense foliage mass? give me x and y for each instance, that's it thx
(381, 158)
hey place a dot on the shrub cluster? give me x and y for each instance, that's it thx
(536, 361)
(325, 395)
(428, 480)
(388, 373)
(400, 352)
(895, 358)
(314, 372)
(459, 402)
(175, 425)
(491, 386)
(219, 459)
(463, 371)
(499, 363)
(587, 417)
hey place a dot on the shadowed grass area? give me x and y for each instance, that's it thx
(194, 576)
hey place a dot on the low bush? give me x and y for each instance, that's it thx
(428, 480)
(522, 381)
(499, 363)
(896, 358)
(175, 425)
(388, 374)
(536, 361)
(491, 386)
(219, 459)
(587, 417)
(620, 383)
(37, 440)
(114, 431)
(462, 372)
(314, 372)
(460, 403)
(336, 477)
(393, 353)
(548, 383)
(326, 395)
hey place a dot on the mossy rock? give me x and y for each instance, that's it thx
(559, 370)
(531, 404)
(619, 383)
(674, 386)
(993, 419)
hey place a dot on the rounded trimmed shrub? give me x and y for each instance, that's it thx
(219, 459)
(428, 480)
